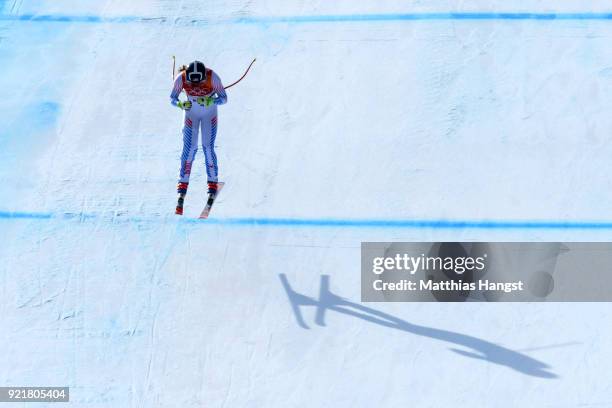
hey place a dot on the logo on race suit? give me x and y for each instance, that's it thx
(199, 89)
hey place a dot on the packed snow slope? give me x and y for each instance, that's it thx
(353, 111)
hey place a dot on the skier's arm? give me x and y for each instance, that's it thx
(219, 90)
(176, 90)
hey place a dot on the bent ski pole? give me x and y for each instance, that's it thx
(243, 75)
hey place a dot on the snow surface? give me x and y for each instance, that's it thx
(105, 291)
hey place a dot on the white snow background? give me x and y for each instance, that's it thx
(386, 118)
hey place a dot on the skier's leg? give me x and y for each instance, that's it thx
(209, 134)
(190, 147)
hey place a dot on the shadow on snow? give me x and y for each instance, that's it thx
(478, 348)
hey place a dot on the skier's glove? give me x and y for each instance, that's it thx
(206, 101)
(184, 105)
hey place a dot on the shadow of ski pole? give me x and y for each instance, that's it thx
(477, 348)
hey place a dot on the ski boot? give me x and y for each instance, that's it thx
(181, 189)
(213, 186)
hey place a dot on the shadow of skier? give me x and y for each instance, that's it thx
(479, 349)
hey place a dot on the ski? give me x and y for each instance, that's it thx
(211, 201)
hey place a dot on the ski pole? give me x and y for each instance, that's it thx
(173, 66)
(243, 75)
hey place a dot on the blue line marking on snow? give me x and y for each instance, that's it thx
(64, 18)
(21, 215)
(539, 16)
(425, 16)
(318, 222)
(408, 224)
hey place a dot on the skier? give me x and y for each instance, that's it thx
(204, 92)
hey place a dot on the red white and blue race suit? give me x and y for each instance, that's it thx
(199, 118)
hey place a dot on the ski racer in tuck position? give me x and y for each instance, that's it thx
(204, 92)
